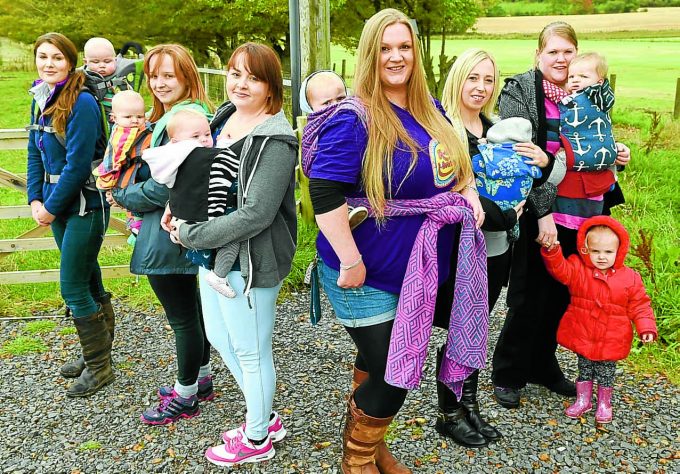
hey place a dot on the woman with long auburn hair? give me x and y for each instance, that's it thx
(66, 125)
(172, 78)
(394, 152)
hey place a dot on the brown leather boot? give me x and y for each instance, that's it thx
(360, 439)
(384, 460)
(95, 340)
(73, 369)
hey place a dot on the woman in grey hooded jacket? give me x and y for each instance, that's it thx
(253, 126)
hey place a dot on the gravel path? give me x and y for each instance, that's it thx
(42, 431)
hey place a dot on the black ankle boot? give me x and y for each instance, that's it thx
(469, 402)
(456, 426)
(452, 418)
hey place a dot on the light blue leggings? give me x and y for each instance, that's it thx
(243, 337)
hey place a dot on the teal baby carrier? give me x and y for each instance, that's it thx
(586, 129)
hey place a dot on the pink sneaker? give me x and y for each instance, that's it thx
(240, 450)
(276, 431)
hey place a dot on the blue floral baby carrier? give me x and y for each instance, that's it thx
(586, 129)
(502, 176)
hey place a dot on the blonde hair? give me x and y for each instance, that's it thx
(598, 60)
(601, 230)
(385, 129)
(556, 28)
(127, 97)
(181, 117)
(458, 74)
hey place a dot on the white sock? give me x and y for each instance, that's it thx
(204, 371)
(186, 391)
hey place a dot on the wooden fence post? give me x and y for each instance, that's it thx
(676, 108)
(344, 64)
(315, 35)
(612, 82)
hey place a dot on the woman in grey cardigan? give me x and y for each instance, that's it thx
(525, 352)
(264, 225)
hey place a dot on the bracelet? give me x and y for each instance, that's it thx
(472, 188)
(349, 267)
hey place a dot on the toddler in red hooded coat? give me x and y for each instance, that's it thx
(606, 297)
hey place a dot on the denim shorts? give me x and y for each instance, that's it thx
(357, 307)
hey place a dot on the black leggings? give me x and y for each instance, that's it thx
(375, 397)
(179, 296)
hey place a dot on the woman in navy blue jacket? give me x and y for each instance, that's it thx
(63, 141)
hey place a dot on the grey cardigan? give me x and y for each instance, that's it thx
(265, 222)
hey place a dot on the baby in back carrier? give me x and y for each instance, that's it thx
(202, 182)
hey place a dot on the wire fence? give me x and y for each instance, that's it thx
(215, 84)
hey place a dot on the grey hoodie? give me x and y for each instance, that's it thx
(265, 222)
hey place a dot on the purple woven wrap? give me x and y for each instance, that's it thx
(469, 323)
(310, 135)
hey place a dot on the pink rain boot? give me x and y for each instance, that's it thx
(604, 404)
(583, 404)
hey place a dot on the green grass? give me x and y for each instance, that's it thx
(90, 445)
(23, 345)
(39, 327)
(646, 68)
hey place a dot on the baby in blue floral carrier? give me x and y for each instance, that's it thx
(501, 174)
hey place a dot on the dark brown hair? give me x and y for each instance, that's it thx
(262, 62)
(61, 108)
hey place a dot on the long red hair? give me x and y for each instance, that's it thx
(185, 70)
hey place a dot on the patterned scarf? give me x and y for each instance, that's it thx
(552, 92)
(468, 326)
(310, 135)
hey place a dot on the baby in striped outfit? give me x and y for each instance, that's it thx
(202, 183)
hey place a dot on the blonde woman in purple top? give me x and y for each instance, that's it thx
(397, 154)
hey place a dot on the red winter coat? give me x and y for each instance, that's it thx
(597, 323)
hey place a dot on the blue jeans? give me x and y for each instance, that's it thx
(241, 331)
(79, 239)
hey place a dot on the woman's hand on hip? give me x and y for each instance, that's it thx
(472, 196)
(352, 278)
(547, 231)
(622, 154)
(534, 153)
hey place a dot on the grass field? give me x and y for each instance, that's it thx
(647, 69)
(654, 19)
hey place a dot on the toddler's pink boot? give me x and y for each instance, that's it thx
(583, 404)
(604, 404)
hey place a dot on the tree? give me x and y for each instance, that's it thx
(209, 28)
(436, 19)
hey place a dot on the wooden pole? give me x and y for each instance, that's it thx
(676, 109)
(315, 35)
(612, 82)
(344, 68)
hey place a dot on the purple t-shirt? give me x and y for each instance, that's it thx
(385, 249)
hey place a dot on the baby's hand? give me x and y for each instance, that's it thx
(647, 337)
